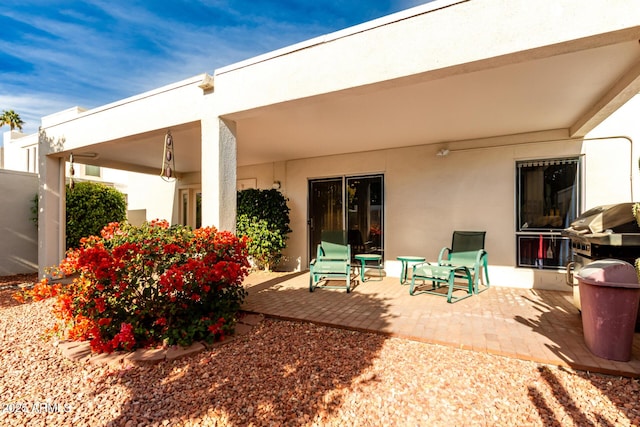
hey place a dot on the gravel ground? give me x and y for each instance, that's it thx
(297, 374)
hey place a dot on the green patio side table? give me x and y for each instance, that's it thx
(405, 260)
(363, 258)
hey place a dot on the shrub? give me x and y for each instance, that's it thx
(263, 244)
(142, 286)
(90, 207)
(263, 217)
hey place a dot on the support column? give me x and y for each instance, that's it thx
(218, 174)
(51, 212)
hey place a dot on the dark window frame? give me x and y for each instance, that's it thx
(539, 243)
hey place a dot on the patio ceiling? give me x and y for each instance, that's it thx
(568, 93)
(144, 152)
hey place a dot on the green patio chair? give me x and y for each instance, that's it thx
(467, 250)
(440, 275)
(332, 262)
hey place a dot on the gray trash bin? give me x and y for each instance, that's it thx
(609, 296)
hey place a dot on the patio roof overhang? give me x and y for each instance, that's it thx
(129, 134)
(561, 96)
(512, 81)
(478, 72)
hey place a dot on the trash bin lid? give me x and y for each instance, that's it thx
(610, 272)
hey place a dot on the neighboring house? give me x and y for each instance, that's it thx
(20, 152)
(453, 115)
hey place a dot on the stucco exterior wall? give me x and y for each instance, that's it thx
(19, 241)
(150, 193)
(427, 197)
(622, 123)
(266, 175)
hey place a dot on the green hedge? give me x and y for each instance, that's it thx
(90, 207)
(263, 217)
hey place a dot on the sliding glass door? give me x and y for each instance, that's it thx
(354, 204)
(325, 209)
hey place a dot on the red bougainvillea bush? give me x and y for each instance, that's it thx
(144, 286)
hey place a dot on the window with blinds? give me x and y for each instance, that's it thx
(547, 200)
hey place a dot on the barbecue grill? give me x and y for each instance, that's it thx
(608, 231)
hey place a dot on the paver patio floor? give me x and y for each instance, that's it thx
(536, 325)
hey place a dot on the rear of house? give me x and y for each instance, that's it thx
(449, 116)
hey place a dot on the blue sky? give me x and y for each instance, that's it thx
(59, 54)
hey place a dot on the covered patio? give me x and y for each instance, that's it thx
(535, 325)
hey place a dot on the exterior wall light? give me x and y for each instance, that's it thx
(207, 83)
